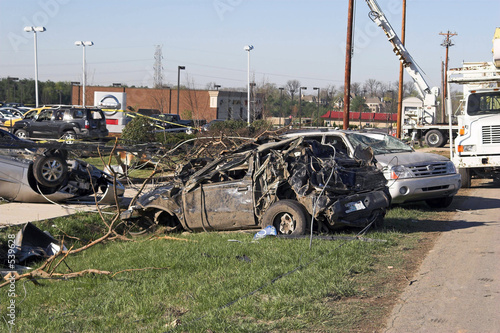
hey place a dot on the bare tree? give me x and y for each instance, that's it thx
(196, 102)
(372, 87)
(292, 86)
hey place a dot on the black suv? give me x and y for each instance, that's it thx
(64, 123)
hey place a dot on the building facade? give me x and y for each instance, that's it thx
(204, 105)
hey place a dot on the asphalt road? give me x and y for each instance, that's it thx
(457, 288)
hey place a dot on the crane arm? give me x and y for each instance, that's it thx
(377, 16)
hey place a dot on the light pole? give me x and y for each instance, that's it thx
(281, 103)
(179, 68)
(84, 75)
(248, 48)
(317, 115)
(35, 30)
(300, 105)
(252, 96)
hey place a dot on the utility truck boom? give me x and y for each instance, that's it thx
(421, 122)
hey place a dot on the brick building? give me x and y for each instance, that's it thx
(203, 105)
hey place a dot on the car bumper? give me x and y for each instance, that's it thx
(417, 189)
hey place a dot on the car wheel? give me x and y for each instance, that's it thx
(434, 138)
(50, 171)
(69, 137)
(466, 177)
(22, 134)
(439, 202)
(287, 216)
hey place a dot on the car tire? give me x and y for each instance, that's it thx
(22, 134)
(69, 137)
(439, 202)
(287, 216)
(466, 176)
(434, 138)
(50, 171)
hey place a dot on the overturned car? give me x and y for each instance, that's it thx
(44, 175)
(280, 183)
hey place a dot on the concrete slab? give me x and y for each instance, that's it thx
(13, 213)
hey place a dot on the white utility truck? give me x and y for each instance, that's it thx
(476, 151)
(421, 122)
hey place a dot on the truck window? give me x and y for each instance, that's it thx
(483, 103)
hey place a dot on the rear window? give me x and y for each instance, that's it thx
(96, 114)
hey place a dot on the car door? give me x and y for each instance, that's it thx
(223, 205)
(40, 127)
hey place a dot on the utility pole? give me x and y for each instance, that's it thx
(401, 72)
(348, 55)
(446, 43)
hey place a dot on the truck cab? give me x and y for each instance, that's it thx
(477, 146)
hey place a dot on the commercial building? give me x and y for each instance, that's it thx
(204, 105)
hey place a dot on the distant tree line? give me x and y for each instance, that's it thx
(23, 91)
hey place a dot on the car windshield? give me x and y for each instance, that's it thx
(380, 143)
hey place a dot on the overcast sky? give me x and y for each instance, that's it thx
(293, 39)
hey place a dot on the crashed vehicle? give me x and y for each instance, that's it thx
(282, 183)
(44, 175)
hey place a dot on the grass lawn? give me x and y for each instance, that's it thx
(224, 282)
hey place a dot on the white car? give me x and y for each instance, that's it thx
(411, 176)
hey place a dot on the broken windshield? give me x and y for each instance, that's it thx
(380, 143)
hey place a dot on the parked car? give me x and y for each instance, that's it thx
(29, 114)
(64, 123)
(280, 183)
(16, 113)
(6, 115)
(412, 176)
(28, 174)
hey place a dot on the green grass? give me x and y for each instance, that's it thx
(207, 286)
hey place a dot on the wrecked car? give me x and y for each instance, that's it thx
(411, 175)
(28, 174)
(283, 183)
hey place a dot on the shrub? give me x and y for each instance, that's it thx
(139, 130)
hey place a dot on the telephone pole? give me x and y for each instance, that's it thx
(446, 43)
(401, 74)
(348, 55)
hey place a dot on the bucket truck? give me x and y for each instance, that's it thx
(476, 151)
(418, 122)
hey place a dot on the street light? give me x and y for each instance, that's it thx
(35, 30)
(281, 103)
(84, 45)
(248, 48)
(216, 86)
(317, 115)
(179, 68)
(300, 105)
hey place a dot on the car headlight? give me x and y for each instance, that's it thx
(450, 167)
(399, 172)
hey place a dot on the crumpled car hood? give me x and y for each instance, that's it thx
(409, 158)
